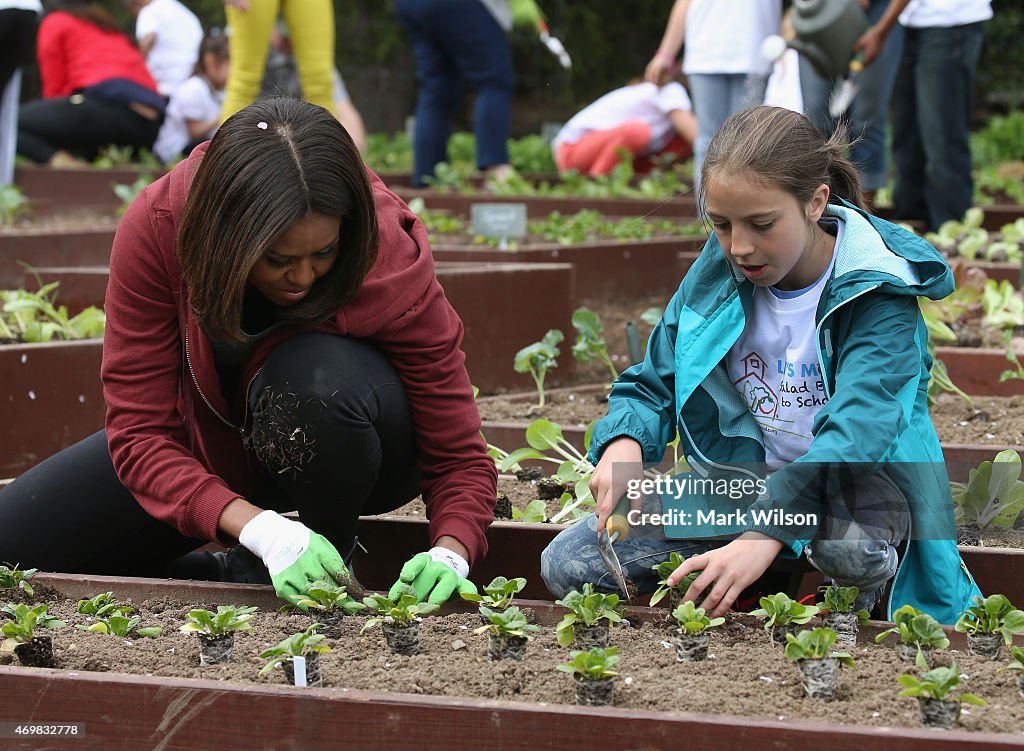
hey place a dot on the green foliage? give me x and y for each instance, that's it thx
(530, 155)
(326, 596)
(508, 622)
(12, 203)
(228, 618)
(590, 344)
(664, 571)
(593, 665)
(1017, 371)
(1017, 655)
(1003, 304)
(120, 623)
(692, 620)
(498, 594)
(588, 225)
(25, 621)
(128, 193)
(842, 600)
(538, 358)
(388, 153)
(535, 512)
(914, 627)
(586, 608)
(34, 317)
(781, 610)
(101, 605)
(991, 615)
(297, 645)
(403, 609)
(1001, 140)
(937, 684)
(12, 576)
(815, 644)
(993, 493)
(439, 222)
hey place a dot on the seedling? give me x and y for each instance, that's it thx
(1017, 664)
(989, 623)
(497, 595)
(691, 638)
(939, 706)
(590, 343)
(128, 193)
(840, 616)
(25, 620)
(664, 571)
(12, 576)
(918, 634)
(538, 358)
(507, 632)
(593, 674)
(398, 619)
(993, 493)
(119, 623)
(307, 644)
(227, 619)
(819, 665)
(12, 203)
(330, 602)
(1017, 371)
(782, 614)
(34, 317)
(101, 605)
(583, 622)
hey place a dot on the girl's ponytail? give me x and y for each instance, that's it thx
(843, 178)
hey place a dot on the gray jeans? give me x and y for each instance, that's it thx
(855, 546)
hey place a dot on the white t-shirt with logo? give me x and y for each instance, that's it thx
(194, 100)
(920, 14)
(178, 35)
(724, 36)
(775, 366)
(643, 101)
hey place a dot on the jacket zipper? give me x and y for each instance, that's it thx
(240, 428)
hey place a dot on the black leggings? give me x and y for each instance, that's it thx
(331, 427)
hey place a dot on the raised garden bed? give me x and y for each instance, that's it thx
(51, 190)
(179, 708)
(996, 215)
(977, 370)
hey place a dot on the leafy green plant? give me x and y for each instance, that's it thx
(1017, 371)
(938, 331)
(101, 605)
(664, 571)
(12, 203)
(12, 576)
(1017, 660)
(590, 343)
(297, 645)
(403, 609)
(843, 600)
(120, 623)
(963, 238)
(34, 317)
(112, 156)
(508, 622)
(25, 621)
(937, 683)
(994, 614)
(535, 512)
(586, 608)
(498, 594)
(227, 619)
(324, 595)
(693, 620)
(993, 493)
(128, 193)
(916, 628)
(815, 644)
(538, 358)
(781, 610)
(1003, 305)
(593, 665)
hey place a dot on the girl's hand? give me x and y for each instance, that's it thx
(609, 483)
(659, 69)
(731, 568)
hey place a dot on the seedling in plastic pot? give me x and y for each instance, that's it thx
(590, 344)
(1017, 664)
(101, 605)
(664, 571)
(19, 634)
(919, 635)
(819, 665)
(328, 603)
(537, 359)
(306, 644)
(217, 630)
(589, 619)
(989, 623)
(840, 615)
(399, 618)
(691, 638)
(497, 595)
(782, 615)
(593, 675)
(119, 623)
(939, 707)
(507, 633)
(12, 576)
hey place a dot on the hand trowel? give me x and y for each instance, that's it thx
(615, 529)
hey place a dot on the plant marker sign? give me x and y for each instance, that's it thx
(500, 220)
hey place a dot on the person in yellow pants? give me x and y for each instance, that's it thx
(311, 27)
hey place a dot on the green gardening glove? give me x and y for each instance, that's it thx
(435, 576)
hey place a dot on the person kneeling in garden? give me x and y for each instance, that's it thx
(794, 345)
(276, 340)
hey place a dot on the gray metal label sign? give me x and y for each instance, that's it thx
(499, 219)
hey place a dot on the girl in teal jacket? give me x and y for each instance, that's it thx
(792, 359)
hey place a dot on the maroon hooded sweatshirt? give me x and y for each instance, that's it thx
(171, 440)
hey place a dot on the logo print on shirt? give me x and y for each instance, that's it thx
(761, 400)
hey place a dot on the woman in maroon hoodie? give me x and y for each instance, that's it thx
(276, 340)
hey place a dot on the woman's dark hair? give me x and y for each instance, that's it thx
(784, 148)
(214, 43)
(95, 14)
(269, 165)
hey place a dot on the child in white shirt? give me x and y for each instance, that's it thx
(168, 34)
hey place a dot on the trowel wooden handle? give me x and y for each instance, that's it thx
(618, 524)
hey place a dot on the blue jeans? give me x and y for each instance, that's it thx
(931, 113)
(868, 114)
(855, 546)
(716, 96)
(455, 41)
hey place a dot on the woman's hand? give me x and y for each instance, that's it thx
(731, 569)
(609, 483)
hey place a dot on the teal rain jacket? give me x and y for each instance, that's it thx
(872, 353)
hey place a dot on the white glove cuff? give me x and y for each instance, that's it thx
(450, 558)
(277, 541)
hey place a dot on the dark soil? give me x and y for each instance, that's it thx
(66, 221)
(743, 675)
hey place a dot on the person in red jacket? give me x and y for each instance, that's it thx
(96, 90)
(276, 340)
